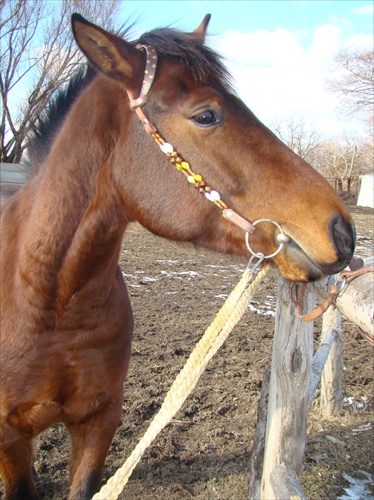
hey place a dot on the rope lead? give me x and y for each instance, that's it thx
(215, 335)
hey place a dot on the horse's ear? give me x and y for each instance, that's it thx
(109, 53)
(201, 30)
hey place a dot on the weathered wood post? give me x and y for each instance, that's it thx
(256, 458)
(295, 374)
(331, 399)
(288, 396)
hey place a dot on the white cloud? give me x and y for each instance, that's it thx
(277, 74)
(326, 40)
(271, 48)
(359, 41)
(366, 10)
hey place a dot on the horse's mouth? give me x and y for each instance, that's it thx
(311, 269)
(310, 259)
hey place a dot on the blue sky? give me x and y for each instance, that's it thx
(279, 51)
(249, 16)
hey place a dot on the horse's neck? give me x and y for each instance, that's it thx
(73, 234)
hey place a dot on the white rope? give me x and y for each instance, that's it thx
(215, 335)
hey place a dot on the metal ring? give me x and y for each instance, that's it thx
(259, 255)
(343, 285)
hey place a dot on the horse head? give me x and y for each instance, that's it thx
(194, 107)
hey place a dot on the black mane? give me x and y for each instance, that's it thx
(205, 64)
(50, 120)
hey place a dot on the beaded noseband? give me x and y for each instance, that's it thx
(183, 166)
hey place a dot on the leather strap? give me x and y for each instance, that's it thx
(238, 220)
(345, 276)
(149, 75)
(351, 275)
(151, 129)
(298, 301)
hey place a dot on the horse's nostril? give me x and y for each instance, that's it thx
(343, 236)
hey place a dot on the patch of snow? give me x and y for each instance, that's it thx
(148, 279)
(357, 490)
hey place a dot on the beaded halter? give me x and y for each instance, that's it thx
(183, 166)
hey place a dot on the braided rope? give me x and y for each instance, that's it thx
(215, 335)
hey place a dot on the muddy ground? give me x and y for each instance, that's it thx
(203, 453)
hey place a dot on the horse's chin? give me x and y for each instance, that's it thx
(295, 265)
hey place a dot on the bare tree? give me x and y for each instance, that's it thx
(294, 132)
(37, 56)
(354, 80)
(340, 160)
(344, 159)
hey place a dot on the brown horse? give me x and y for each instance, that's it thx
(66, 321)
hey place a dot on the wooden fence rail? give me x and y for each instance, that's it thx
(356, 302)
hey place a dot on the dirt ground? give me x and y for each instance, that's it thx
(203, 453)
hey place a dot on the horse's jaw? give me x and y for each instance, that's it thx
(298, 262)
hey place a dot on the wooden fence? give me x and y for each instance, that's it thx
(12, 177)
(13, 173)
(278, 453)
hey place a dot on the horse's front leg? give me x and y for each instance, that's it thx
(16, 459)
(90, 443)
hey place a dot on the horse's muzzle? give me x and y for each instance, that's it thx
(343, 236)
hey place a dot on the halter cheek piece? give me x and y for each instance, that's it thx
(183, 166)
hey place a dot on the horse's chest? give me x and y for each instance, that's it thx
(62, 381)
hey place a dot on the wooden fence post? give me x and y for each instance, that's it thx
(289, 390)
(331, 399)
(256, 458)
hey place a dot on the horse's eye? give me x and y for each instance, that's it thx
(205, 118)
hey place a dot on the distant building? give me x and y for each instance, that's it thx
(366, 193)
